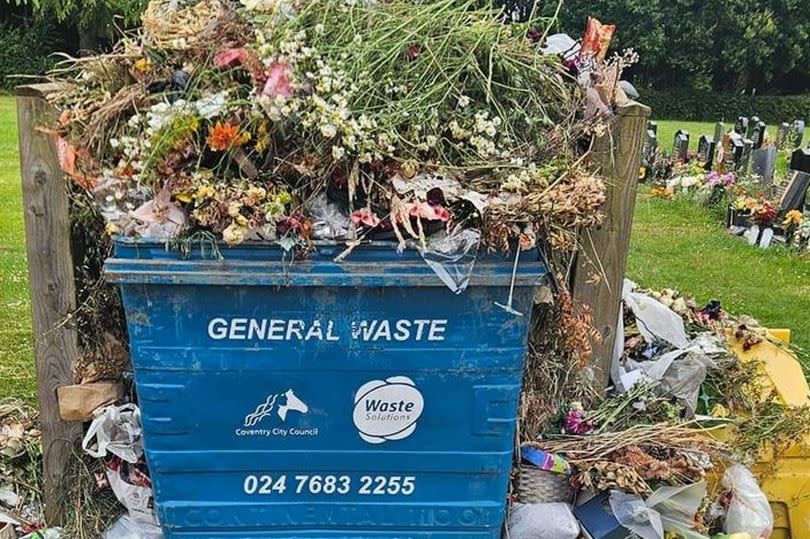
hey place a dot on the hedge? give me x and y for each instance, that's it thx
(692, 105)
(25, 47)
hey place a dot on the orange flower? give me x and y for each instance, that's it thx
(225, 135)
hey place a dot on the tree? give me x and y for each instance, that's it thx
(92, 19)
(731, 45)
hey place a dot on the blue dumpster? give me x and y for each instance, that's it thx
(357, 399)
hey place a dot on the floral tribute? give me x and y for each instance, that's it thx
(292, 121)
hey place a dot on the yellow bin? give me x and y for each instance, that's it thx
(786, 481)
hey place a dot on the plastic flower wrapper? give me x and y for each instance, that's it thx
(452, 257)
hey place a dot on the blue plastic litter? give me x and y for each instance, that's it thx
(314, 399)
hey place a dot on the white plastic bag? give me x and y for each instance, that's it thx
(633, 514)
(127, 528)
(655, 320)
(541, 521)
(117, 431)
(749, 510)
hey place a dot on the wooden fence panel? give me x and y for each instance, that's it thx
(53, 294)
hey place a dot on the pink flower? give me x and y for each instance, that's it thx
(431, 212)
(278, 81)
(576, 423)
(230, 58)
(366, 217)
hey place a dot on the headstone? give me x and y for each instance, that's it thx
(680, 147)
(797, 183)
(763, 163)
(752, 123)
(745, 159)
(767, 238)
(741, 127)
(650, 147)
(797, 134)
(719, 131)
(732, 151)
(652, 126)
(706, 148)
(782, 135)
(758, 134)
(800, 160)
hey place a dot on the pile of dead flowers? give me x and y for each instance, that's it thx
(294, 120)
(20, 467)
(683, 409)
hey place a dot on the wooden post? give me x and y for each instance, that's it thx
(618, 155)
(53, 294)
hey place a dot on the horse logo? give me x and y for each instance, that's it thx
(274, 402)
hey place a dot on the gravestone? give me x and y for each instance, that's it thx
(680, 146)
(650, 148)
(719, 131)
(741, 126)
(734, 151)
(797, 134)
(745, 159)
(752, 123)
(763, 163)
(705, 153)
(758, 134)
(782, 135)
(798, 181)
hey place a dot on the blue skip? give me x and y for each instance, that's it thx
(360, 399)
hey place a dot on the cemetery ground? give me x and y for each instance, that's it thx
(675, 244)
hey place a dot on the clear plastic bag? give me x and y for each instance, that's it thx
(116, 430)
(541, 521)
(452, 257)
(633, 514)
(677, 507)
(749, 510)
(128, 528)
(683, 379)
(329, 222)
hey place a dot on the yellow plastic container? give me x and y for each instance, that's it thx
(786, 481)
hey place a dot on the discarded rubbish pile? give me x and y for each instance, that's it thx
(665, 452)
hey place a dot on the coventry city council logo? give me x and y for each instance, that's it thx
(281, 404)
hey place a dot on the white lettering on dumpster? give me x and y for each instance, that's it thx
(373, 330)
(387, 409)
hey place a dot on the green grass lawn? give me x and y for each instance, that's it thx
(16, 341)
(679, 244)
(675, 244)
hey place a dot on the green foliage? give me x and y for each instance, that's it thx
(97, 16)
(685, 104)
(25, 48)
(729, 45)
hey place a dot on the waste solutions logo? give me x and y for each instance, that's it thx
(387, 410)
(269, 418)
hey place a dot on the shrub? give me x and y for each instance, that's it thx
(25, 47)
(686, 104)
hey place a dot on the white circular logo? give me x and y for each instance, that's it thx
(387, 409)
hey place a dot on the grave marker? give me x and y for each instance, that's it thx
(752, 123)
(741, 126)
(782, 135)
(680, 147)
(719, 131)
(706, 148)
(758, 134)
(763, 163)
(797, 133)
(745, 158)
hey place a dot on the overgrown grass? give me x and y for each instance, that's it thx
(680, 244)
(16, 341)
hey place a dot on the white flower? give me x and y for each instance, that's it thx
(211, 106)
(260, 5)
(320, 28)
(338, 152)
(463, 101)
(328, 130)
